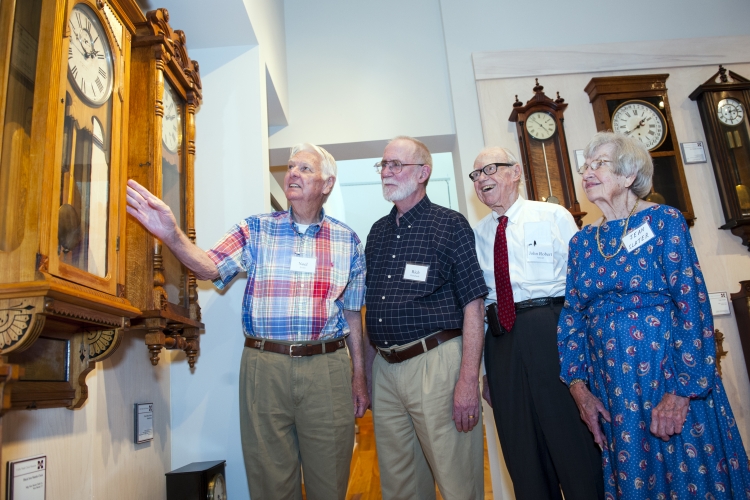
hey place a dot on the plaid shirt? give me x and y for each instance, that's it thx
(400, 311)
(282, 304)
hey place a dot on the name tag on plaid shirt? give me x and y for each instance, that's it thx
(416, 272)
(303, 264)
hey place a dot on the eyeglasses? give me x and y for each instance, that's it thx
(488, 170)
(594, 165)
(394, 165)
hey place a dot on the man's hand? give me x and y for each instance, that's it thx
(668, 417)
(590, 407)
(360, 396)
(154, 214)
(486, 390)
(466, 405)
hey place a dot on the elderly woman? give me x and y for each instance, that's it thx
(636, 341)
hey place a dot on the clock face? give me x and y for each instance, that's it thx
(170, 125)
(730, 112)
(89, 56)
(641, 120)
(541, 125)
(217, 489)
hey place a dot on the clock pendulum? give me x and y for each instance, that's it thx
(551, 198)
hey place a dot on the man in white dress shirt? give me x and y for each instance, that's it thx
(522, 248)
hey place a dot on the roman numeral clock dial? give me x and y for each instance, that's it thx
(640, 119)
(89, 57)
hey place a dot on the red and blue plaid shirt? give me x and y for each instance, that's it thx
(282, 304)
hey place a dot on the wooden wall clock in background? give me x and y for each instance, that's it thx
(638, 106)
(64, 72)
(723, 102)
(544, 150)
(162, 151)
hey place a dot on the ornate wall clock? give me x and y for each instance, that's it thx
(544, 150)
(162, 152)
(639, 106)
(723, 101)
(64, 72)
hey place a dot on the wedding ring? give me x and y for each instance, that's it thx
(471, 416)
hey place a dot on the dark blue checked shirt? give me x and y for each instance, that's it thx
(400, 311)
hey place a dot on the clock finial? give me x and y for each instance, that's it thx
(517, 103)
(723, 74)
(559, 99)
(537, 88)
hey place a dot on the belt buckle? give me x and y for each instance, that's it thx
(290, 350)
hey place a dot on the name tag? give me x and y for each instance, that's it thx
(539, 253)
(303, 264)
(416, 272)
(637, 237)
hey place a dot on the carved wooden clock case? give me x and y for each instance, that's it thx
(162, 152)
(723, 101)
(64, 71)
(638, 105)
(544, 150)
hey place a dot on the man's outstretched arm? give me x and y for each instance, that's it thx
(157, 218)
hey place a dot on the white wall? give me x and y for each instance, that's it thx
(91, 452)
(364, 71)
(231, 183)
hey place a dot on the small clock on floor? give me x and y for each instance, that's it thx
(197, 481)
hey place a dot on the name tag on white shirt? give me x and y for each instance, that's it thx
(637, 237)
(303, 264)
(416, 272)
(540, 262)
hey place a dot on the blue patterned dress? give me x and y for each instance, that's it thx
(636, 326)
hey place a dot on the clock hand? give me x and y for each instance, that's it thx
(640, 124)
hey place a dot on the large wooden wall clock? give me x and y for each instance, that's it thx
(638, 106)
(723, 101)
(166, 89)
(544, 150)
(64, 73)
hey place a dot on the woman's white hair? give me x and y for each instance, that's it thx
(327, 163)
(629, 157)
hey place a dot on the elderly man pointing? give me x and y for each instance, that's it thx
(522, 247)
(305, 287)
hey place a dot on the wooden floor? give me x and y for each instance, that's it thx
(364, 481)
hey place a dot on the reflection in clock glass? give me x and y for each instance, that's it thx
(173, 188)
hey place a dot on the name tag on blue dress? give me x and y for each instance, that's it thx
(637, 237)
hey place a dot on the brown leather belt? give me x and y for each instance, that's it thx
(296, 350)
(431, 342)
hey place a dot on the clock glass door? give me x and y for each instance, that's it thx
(545, 153)
(734, 124)
(173, 188)
(84, 213)
(16, 132)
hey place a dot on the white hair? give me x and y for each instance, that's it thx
(630, 157)
(509, 156)
(327, 163)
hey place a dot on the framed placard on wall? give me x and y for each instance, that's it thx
(27, 478)
(144, 422)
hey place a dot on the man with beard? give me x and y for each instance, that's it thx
(424, 317)
(522, 248)
(305, 287)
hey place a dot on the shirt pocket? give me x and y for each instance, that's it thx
(538, 252)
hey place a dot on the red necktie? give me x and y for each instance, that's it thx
(506, 310)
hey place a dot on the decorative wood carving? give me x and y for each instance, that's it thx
(720, 352)
(741, 304)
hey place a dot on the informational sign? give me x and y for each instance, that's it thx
(144, 422)
(719, 303)
(693, 152)
(27, 479)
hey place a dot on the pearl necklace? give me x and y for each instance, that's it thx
(624, 232)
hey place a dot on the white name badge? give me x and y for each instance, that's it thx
(637, 237)
(416, 272)
(303, 264)
(538, 240)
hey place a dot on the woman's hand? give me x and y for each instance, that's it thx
(668, 417)
(590, 407)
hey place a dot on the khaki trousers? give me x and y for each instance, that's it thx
(415, 436)
(292, 411)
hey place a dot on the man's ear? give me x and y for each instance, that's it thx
(424, 173)
(516, 171)
(328, 185)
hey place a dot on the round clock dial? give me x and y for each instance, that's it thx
(641, 120)
(90, 65)
(730, 111)
(541, 125)
(217, 488)
(170, 125)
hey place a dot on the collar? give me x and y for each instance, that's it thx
(315, 225)
(413, 215)
(513, 212)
